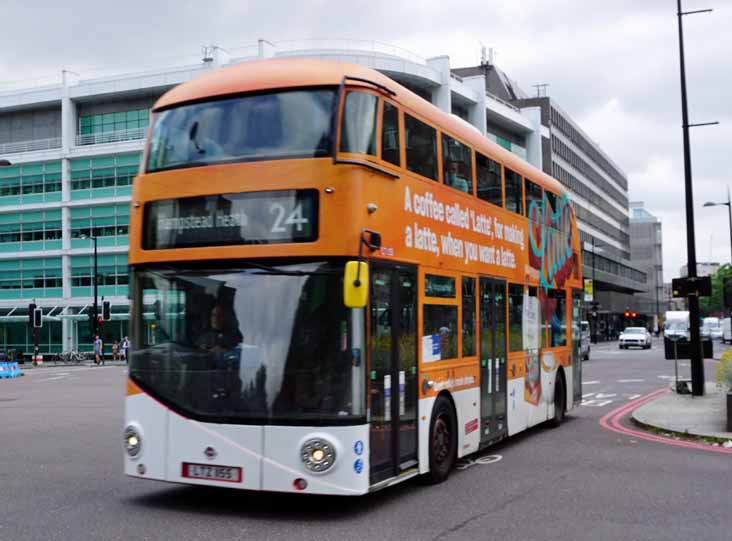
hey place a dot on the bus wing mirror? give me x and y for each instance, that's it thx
(356, 284)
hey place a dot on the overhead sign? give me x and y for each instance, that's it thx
(589, 290)
(232, 219)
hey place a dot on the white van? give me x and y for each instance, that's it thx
(676, 324)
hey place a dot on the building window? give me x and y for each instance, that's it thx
(39, 277)
(106, 221)
(31, 227)
(488, 179)
(28, 183)
(111, 272)
(421, 145)
(114, 122)
(115, 173)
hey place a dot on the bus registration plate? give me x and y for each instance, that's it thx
(229, 474)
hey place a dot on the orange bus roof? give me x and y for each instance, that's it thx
(262, 75)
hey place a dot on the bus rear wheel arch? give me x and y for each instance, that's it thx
(560, 399)
(442, 440)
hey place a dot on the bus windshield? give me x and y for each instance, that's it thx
(278, 125)
(249, 344)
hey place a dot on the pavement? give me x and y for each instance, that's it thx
(704, 416)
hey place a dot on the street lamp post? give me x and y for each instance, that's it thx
(697, 364)
(95, 322)
(729, 211)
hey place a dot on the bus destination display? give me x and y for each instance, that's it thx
(231, 219)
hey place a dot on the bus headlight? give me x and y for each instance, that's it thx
(318, 455)
(133, 441)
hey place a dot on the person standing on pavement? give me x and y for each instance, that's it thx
(115, 351)
(125, 348)
(98, 350)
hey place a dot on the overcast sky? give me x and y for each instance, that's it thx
(613, 65)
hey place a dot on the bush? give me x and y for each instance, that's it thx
(724, 371)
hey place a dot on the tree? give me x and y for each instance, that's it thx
(715, 304)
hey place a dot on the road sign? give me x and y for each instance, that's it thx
(699, 286)
(589, 290)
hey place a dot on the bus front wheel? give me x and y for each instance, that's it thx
(443, 441)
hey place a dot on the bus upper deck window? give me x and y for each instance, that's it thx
(421, 143)
(457, 164)
(390, 134)
(358, 130)
(514, 192)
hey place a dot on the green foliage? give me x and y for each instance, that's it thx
(715, 304)
(724, 370)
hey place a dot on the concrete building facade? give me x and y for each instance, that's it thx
(646, 253)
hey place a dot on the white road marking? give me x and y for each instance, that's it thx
(596, 403)
(631, 380)
(634, 396)
(665, 377)
(52, 379)
(590, 382)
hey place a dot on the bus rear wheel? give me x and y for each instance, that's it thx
(443, 441)
(560, 402)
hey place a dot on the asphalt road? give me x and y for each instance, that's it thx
(61, 477)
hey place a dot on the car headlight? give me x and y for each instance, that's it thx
(133, 441)
(318, 455)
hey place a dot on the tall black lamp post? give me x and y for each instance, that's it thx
(697, 364)
(95, 321)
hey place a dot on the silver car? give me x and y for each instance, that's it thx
(636, 337)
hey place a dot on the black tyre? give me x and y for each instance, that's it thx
(443, 441)
(587, 355)
(560, 402)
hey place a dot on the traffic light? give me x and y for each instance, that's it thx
(106, 311)
(31, 312)
(92, 319)
(633, 314)
(627, 314)
(38, 318)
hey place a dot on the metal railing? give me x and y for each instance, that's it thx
(502, 101)
(111, 137)
(371, 46)
(30, 146)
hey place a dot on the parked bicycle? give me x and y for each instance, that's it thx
(70, 357)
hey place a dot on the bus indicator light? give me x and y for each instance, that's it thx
(300, 484)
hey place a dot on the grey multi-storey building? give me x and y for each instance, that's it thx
(646, 252)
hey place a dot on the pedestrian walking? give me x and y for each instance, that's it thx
(115, 351)
(125, 349)
(98, 350)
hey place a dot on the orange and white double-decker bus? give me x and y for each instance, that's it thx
(336, 286)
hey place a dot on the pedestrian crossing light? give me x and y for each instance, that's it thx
(38, 318)
(106, 311)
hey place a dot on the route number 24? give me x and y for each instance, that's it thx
(282, 218)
